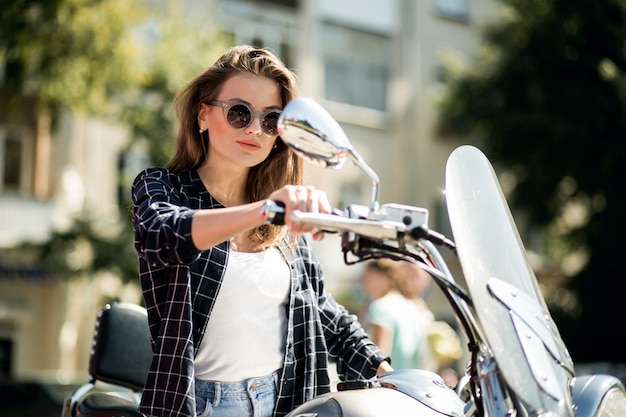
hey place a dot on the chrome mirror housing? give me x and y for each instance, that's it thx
(307, 128)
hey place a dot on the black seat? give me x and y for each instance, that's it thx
(121, 354)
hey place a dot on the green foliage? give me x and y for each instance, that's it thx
(547, 100)
(177, 48)
(68, 53)
(115, 58)
(83, 248)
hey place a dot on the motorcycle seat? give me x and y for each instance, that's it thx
(121, 351)
(120, 356)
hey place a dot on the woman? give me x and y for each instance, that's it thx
(395, 323)
(239, 318)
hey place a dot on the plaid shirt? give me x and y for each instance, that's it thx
(180, 285)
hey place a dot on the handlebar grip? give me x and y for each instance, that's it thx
(273, 212)
(423, 232)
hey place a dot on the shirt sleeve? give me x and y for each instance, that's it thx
(378, 314)
(162, 223)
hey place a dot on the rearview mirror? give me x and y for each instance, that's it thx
(307, 128)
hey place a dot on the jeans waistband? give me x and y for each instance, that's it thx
(238, 388)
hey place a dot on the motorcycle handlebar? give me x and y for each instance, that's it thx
(379, 228)
(273, 212)
(391, 222)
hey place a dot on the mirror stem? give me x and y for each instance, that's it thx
(360, 162)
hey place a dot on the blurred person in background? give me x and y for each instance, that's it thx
(443, 347)
(395, 323)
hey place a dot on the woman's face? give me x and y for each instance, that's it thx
(375, 283)
(250, 145)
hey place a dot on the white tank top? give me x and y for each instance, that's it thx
(245, 335)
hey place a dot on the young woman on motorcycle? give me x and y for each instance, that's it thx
(239, 318)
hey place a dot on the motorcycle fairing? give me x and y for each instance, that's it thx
(489, 245)
(539, 363)
(534, 333)
(528, 309)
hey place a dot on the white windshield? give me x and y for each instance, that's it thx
(506, 296)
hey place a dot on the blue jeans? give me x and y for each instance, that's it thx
(255, 397)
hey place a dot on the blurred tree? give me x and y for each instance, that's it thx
(118, 59)
(78, 55)
(67, 53)
(177, 46)
(82, 250)
(547, 100)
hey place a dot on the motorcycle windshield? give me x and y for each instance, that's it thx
(513, 314)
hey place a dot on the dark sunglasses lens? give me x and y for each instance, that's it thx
(270, 122)
(239, 116)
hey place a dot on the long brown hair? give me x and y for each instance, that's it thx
(280, 168)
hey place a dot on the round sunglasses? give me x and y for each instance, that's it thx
(239, 116)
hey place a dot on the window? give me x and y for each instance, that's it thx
(357, 49)
(356, 66)
(454, 9)
(254, 24)
(15, 151)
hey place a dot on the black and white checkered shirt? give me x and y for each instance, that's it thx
(180, 285)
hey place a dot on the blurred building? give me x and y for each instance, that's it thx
(376, 65)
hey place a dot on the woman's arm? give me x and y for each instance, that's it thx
(161, 221)
(211, 227)
(167, 231)
(381, 337)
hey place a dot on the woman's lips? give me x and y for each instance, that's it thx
(249, 145)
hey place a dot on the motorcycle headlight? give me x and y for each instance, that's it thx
(613, 404)
(598, 396)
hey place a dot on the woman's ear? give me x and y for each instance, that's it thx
(202, 115)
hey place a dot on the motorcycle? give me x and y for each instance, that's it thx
(518, 363)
